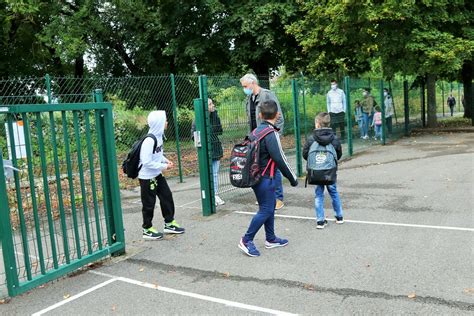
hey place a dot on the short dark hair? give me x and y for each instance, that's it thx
(377, 108)
(333, 80)
(385, 89)
(323, 119)
(269, 109)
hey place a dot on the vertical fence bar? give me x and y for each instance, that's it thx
(48, 87)
(44, 172)
(208, 197)
(459, 97)
(299, 162)
(98, 97)
(85, 208)
(347, 87)
(116, 221)
(304, 107)
(6, 236)
(21, 215)
(382, 103)
(422, 98)
(406, 107)
(71, 185)
(31, 176)
(176, 127)
(442, 95)
(92, 175)
(62, 214)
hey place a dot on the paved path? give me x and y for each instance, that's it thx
(406, 247)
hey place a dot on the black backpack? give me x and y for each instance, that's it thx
(244, 160)
(130, 165)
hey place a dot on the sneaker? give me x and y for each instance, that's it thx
(279, 204)
(322, 224)
(151, 234)
(249, 248)
(277, 242)
(366, 137)
(218, 200)
(339, 220)
(173, 228)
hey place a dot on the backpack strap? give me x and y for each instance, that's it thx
(154, 139)
(270, 164)
(264, 132)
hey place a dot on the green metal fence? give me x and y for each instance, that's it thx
(61, 209)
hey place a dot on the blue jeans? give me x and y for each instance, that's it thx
(278, 185)
(365, 117)
(360, 123)
(215, 174)
(319, 201)
(265, 193)
(378, 131)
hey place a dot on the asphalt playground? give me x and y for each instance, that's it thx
(406, 247)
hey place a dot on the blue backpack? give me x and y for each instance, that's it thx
(322, 164)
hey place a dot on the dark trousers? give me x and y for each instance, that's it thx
(452, 110)
(265, 193)
(388, 122)
(338, 120)
(150, 189)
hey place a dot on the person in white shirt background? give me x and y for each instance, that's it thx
(336, 106)
(388, 102)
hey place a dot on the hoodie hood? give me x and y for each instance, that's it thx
(324, 136)
(156, 122)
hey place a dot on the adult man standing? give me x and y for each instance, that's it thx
(336, 105)
(451, 103)
(256, 95)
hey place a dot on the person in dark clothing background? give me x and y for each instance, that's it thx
(216, 146)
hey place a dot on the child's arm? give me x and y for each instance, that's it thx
(276, 153)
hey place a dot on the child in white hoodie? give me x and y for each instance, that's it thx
(153, 183)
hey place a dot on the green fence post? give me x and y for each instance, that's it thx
(304, 106)
(422, 99)
(299, 162)
(347, 87)
(459, 97)
(176, 127)
(6, 236)
(205, 151)
(48, 87)
(109, 174)
(442, 95)
(207, 201)
(406, 107)
(382, 102)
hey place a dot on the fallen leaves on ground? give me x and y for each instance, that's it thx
(412, 295)
(141, 269)
(226, 274)
(469, 291)
(66, 296)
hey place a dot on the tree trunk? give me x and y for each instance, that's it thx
(431, 92)
(467, 76)
(79, 67)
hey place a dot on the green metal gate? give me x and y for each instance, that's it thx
(61, 210)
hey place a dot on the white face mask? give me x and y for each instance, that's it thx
(385, 93)
(364, 93)
(334, 86)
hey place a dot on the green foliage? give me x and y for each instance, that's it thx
(412, 37)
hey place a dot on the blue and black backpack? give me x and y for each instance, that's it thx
(321, 166)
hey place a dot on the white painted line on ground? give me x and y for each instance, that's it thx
(189, 203)
(194, 295)
(370, 223)
(74, 297)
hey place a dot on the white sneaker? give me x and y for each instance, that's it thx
(218, 200)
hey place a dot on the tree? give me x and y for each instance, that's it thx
(428, 38)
